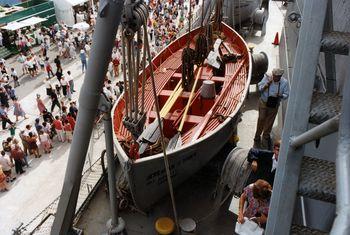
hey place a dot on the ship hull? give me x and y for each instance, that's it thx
(147, 178)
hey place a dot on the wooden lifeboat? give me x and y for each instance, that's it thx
(208, 125)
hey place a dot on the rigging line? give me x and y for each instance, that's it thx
(137, 71)
(130, 74)
(202, 14)
(189, 26)
(133, 79)
(166, 160)
(297, 1)
(124, 75)
(143, 73)
(239, 12)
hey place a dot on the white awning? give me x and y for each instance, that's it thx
(76, 2)
(32, 21)
(13, 26)
(24, 23)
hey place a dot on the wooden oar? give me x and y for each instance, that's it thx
(176, 142)
(164, 111)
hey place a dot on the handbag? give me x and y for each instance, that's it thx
(249, 227)
(272, 101)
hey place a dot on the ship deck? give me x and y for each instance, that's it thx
(193, 197)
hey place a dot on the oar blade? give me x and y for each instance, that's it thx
(149, 136)
(175, 142)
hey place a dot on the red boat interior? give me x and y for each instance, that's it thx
(204, 115)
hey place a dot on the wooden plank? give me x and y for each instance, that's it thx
(164, 111)
(171, 101)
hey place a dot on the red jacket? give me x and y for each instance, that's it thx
(67, 127)
(57, 124)
(71, 122)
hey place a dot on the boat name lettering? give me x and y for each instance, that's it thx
(159, 176)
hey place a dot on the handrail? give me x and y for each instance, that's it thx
(341, 225)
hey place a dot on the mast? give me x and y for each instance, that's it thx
(109, 14)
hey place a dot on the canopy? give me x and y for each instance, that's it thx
(81, 26)
(13, 26)
(75, 2)
(64, 10)
(24, 23)
(33, 21)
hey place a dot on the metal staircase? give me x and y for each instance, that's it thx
(305, 176)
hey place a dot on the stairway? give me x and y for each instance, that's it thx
(5, 53)
(307, 176)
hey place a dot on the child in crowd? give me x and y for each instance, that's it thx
(12, 130)
(45, 141)
(14, 77)
(3, 183)
(68, 130)
(33, 147)
(59, 128)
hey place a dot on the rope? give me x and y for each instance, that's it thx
(202, 14)
(201, 49)
(133, 19)
(187, 58)
(143, 76)
(166, 160)
(218, 13)
(126, 93)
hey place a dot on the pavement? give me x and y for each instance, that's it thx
(41, 184)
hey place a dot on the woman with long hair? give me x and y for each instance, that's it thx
(257, 196)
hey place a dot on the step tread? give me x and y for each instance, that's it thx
(301, 230)
(324, 106)
(318, 180)
(336, 42)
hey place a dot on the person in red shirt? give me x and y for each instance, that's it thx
(59, 128)
(68, 130)
(71, 120)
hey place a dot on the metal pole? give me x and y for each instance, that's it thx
(116, 225)
(298, 110)
(341, 224)
(90, 149)
(303, 210)
(328, 127)
(106, 28)
(330, 57)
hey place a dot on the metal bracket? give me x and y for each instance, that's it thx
(134, 15)
(104, 105)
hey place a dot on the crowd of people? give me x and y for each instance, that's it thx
(21, 144)
(56, 120)
(166, 21)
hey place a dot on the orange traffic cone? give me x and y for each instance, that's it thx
(276, 41)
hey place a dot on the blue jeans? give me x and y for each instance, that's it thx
(83, 65)
(26, 160)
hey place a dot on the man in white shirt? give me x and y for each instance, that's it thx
(70, 81)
